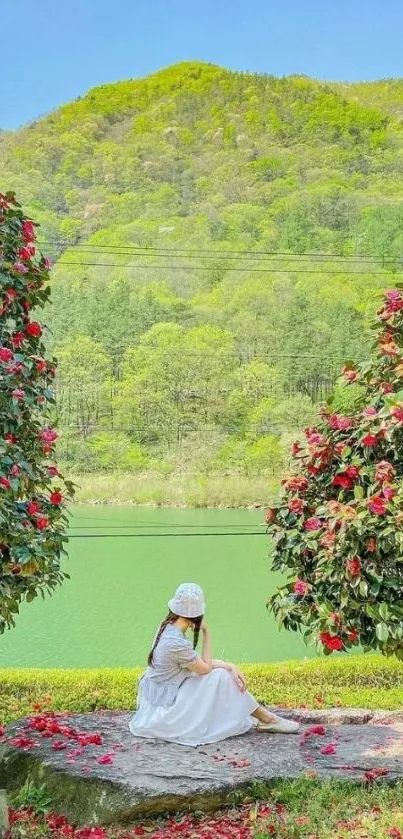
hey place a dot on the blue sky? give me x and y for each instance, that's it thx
(52, 51)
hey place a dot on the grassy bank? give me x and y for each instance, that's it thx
(176, 490)
(359, 681)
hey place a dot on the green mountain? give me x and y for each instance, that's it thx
(198, 322)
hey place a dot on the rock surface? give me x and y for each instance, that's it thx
(123, 778)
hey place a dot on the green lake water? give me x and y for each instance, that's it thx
(125, 563)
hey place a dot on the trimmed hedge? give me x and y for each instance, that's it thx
(359, 681)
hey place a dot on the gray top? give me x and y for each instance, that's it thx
(173, 654)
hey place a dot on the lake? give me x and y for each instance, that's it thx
(126, 562)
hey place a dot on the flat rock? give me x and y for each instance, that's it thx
(144, 777)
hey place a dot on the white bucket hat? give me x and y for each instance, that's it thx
(188, 601)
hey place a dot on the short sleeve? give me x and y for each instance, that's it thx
(183, 652)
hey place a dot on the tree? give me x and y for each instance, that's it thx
(32, 492)
(338, 529)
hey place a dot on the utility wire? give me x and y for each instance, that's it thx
(179, 268)
(157, 535)
(224, 253)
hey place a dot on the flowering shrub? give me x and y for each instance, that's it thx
(32, 492)
(338, 529)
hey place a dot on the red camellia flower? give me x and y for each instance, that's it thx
(6, 355)
(340, 423)
(26, 253)
(369, 440)
(301, 587)
(10, 438)
(353, 635)
(56, 498)
(17, 339)
(28, 231)
(296, 505)
(314, 523)
(296, 448)
(33, 329)
(42, 522)
(353, 566)
(332, 642)
(377, 505)
(4, 482)
(342, 481)
(33, 508)
(352, 472)
(41, 365)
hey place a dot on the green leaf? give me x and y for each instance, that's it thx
(358, 492)
(382, 632)
(384, 611)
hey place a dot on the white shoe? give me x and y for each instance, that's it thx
(281, 726)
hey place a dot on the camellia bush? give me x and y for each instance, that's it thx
(337, 532)
(32, 492)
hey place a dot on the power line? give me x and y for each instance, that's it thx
(157, 535)
(224, 253)
(179, 268)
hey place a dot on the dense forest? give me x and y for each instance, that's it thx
(220, 240)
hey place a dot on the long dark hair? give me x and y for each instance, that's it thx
(172, 618)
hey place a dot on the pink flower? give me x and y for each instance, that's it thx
(105, 759)
(386, 387)
(296, 506)
(388, 492)
(15, 470)
(377, 505)
(397, 413)
(330, 749)
(20, 268)
(313, 523)
(301, 587)
(48, 435)
(340, 423)
(392, 295)
(47, 263)
(6, 355)
(384, 471)
(18, 393)
(314, 438)
(350, 374)
(370, 412)
(53, 471)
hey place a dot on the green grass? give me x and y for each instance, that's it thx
(335, 810)
(359, 681)
(175, 490)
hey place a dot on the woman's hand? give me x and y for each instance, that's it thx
(239, 677)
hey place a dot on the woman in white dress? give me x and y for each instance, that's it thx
(189, 699)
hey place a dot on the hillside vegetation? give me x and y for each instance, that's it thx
(198, 323)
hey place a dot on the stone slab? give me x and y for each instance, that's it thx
(150, 777)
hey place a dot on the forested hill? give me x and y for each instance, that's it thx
(189, 205)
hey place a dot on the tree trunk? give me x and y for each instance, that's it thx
(4, 822)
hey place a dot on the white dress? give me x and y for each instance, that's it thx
(182, 707)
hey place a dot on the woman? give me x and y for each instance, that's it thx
(189, 699)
